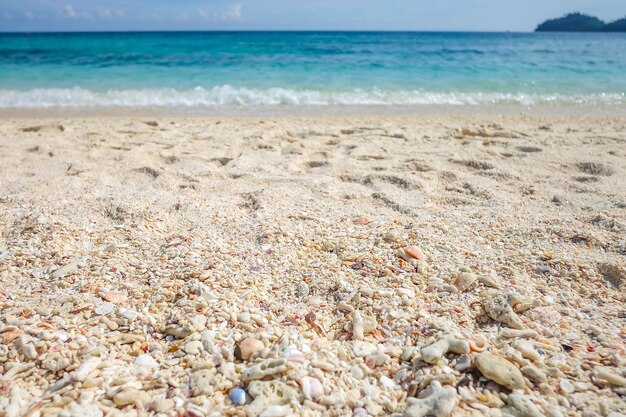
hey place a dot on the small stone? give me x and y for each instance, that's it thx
(500, 370)
(293, 355)
(177, 331)
(30, 351)
(534, 374)
(116, 297)
(237, 396)
(432, 353)
(566, 386)
(501, 309)
(388, 382)
(414, 252)
(464, 281)
(201, 382)
(67, 269)
(199, 322)
(302, 289)
(605, 375)
(81, 410)
(270, 393)
(162, 404)
(362, 349)
(312, 388)
(86, 368)
(146, 361)
(435, 401)
(105, 308)
(392, 236)
(519, 405)
(265, 368)
(463, 363)
(194, 411)
(130, 396)
(249, 347)
(194, 347)
(357, 372)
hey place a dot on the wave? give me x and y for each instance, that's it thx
(231, 96)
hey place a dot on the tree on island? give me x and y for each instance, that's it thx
(617, 26)
(573, 22)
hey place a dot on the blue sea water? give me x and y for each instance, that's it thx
(195, 69)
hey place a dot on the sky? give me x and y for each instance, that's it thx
(456, 15)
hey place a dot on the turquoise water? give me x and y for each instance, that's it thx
(310, 68)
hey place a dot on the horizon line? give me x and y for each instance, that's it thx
(266, 30)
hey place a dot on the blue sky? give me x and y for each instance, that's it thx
(488, 15)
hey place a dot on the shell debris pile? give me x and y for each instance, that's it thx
(254, 290)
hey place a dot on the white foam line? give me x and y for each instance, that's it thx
(231, 96)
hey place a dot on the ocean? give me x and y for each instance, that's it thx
(239, 69)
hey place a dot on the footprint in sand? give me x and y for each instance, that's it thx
(529, 149)
(586, 179)
(148, 171)
(595, 168)
(44, 129)
(477, 165)
(316, 164)
(223, 161)
(417, 166)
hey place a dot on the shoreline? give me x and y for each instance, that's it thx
(314, 111)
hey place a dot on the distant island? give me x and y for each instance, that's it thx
(578, 22)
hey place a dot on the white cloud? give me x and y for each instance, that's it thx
(111, 14)
(233, 13)
(69, 11)
(73, 14)
(7, 15)
(29, 15)
(204, 14)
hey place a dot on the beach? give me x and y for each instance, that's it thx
(458, 264)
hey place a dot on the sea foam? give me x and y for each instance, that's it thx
(231, 96)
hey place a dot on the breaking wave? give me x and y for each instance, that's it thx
(233, 96)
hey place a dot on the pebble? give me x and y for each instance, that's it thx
(519, 405)
(237, 396)
(250, 347)
(609, 377)
(434, 352)
(362, 349)
(129, 396)
(116, 297)
(268, 394)
(162, 404)
(201, 382)
(302, 289)
(566, 386)
(312, 388)
(500, 309)
(146, 361)
(500, 370)
(193, 347)
(81, 410)
(105, 308)
(265, 368)
(464, 281)
(435, 401)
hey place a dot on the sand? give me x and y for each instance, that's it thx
(151, 266)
